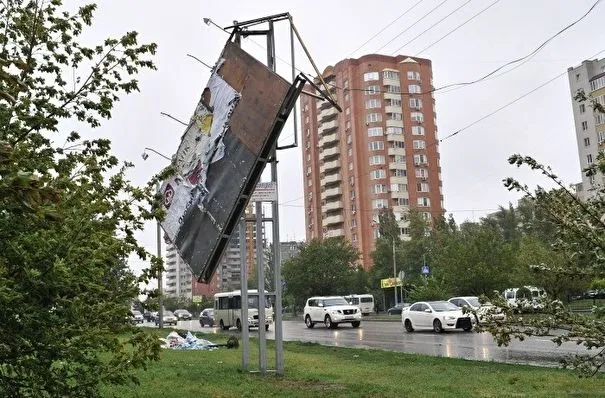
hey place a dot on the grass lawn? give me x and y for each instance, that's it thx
(312, 370)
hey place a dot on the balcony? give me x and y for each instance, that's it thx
(392, 96)
(331, 206)
(329, 166)
(400, 209)
(394, 123)
(397, 166)
(398, 180)
(399, 194)
(334, 151)
(334, 232)
(396, 151)
(327, 139)
(330, 179)
(332, 220)
(331, 193)
(328, 126)
(327, 113)
(390, 82)
(393, 109)
(395, 137)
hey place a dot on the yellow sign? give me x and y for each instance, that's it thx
(390, 282)
(196, 299)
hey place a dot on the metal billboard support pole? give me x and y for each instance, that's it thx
(260, 271)
(244, 293)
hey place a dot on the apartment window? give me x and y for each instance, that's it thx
(375, 131)
(346, 96)
(398, 159)
(348, 124)
(390, 74)
(377, 174)
(417, 130)
(376, 159)
(393, 89)
(372, 103)
(417, 117)
(584, 125)
(369, 76)
(415, 103)
(400, 173)
(397, 144)
(379, 188)
(308, 170)
(424, 202)
(414, 89)
(601, 136)
(350, 152)
(352, 180)
(373, 117)
(349, 139)
(586, 141)
(353, 223)
(306, 108)
(422, 173)
(395, 130)
(413, 75)
(422, 187)
(354, 239)
(350, 165)
(399, 187)
(345, 84)
(589, 159)
(582, 108)
(353, 197)
(371, 90)
(380, 204)
(347, 111)
(402, 202)
(420, 159)
(599, 118)
(392, 102)
(309, 182)
(308, 157)
(306, 119)
(405, 231)
(375, 145)
(418, 144)
(394, 116)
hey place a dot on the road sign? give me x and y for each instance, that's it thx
(265, 192)
(401, 275)
(425, 269)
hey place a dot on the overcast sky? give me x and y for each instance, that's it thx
(473, 162)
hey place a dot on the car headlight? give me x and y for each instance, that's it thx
(450, 317)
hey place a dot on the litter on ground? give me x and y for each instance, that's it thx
(189, 342)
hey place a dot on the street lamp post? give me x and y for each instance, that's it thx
(395, 271)
(145, 155)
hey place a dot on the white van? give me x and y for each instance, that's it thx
(526, 298)
(365, 302)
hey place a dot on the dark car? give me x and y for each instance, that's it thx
(396, 310)
(183, 315)
(207, 317)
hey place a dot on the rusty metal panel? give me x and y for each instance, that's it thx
(222, 155)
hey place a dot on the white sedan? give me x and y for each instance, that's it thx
(436, 315)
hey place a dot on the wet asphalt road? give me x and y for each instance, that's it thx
(391, 336)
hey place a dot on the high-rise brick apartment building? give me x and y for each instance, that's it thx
(380, 152)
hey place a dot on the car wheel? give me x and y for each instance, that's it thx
(408, 326)
(437, 327)
(222, 325)
(355, 324)
(468, 329)
(238, 324)
(328, 322)
(201, 323)
(389, 313)
(309, 322)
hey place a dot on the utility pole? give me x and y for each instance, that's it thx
(395, 271)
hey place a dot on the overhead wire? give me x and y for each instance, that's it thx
(414, 24)
(385, 28)
(431, 27)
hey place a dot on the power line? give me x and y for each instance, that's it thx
(458, 27)
(412, 25)
(385, 28)
(430, 27)
(528, 56)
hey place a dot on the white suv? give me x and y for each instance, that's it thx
(331, 311)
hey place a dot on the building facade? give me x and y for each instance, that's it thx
(590, 125)
(380, 153)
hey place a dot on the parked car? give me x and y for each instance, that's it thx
(148, 316)
(485, 312)
(183, 315)
(136, 316)
(331, 311)
(525, 299)
(436, 315)
(169, 318)
(396, 310)
(207, 317)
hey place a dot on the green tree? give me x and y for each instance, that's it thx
(326, 267)
(68, 215)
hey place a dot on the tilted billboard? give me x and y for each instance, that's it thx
(222, 154)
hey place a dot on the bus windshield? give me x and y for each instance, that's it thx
(253, 302)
